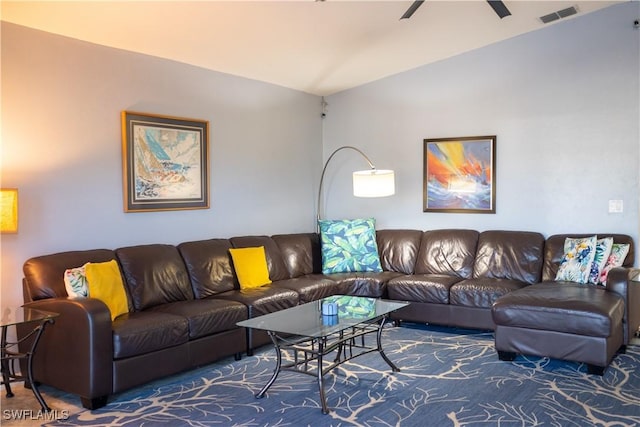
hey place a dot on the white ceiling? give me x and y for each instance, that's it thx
(319, 47)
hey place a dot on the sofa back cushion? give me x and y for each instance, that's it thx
(449, 252)
(300, 252)
(277, 268)
(44, 275)
(154, 275)
(554, 250)
(398, 249)
(209, 266)
(514, 255)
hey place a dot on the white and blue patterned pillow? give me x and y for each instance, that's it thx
(349, 245)
(75, 282)
(616, 259)
(603, 249)
(576, 262)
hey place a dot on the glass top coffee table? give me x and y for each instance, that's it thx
(312, 335)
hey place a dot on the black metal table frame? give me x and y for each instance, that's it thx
(9, 357)
(315, 349)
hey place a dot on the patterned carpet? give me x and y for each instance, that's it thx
(448, 377)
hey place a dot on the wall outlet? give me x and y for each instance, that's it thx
(616, 206)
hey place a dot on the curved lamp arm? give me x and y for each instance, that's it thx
(324, 169)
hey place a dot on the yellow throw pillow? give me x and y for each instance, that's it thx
(251, 267)
(105, 283)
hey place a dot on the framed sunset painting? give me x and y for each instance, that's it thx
(460, 175)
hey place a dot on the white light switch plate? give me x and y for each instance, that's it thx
(616, 206)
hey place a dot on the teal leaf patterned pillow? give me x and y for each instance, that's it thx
(603, 249)
(576, 262)
(349, 245)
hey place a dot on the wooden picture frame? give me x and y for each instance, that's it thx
(460, 175)
(165, 162)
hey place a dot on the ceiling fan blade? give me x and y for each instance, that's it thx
(499, 8)
(414, 6)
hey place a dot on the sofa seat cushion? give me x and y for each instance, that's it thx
(481, 292)
(432, 288)
(563, 307)
(309, 288)
(264, 300)
(147, 331)
(366, 284)
(206, 316)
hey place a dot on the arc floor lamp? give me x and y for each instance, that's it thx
(366, 183)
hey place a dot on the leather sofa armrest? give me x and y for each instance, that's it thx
(75, 353)
(624, 282)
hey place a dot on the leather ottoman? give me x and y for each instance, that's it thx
(560, 320)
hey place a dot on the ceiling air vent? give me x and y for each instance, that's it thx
(559, 14)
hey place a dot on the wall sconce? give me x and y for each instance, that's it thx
(9, 210)
(366, 183)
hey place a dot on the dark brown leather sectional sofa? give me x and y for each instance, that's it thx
(184, 301)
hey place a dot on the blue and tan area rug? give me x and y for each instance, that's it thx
(448, 377)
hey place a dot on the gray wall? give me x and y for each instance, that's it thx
(61, 146)
(563, 102)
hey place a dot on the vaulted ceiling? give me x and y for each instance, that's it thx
(319, 47)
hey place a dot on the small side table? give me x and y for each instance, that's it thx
(634, 295)
(11, 316)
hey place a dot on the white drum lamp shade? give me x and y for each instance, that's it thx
(374, 183)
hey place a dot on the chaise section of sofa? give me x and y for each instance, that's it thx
(585, 323)
(618, 280)
(570, 321)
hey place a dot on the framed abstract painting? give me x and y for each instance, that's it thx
(460, 175)
(165, 162)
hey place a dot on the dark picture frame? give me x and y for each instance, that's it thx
(165, 162)
(460, 175)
